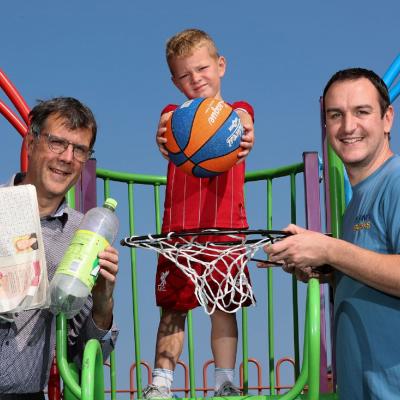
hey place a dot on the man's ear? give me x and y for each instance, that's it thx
(388, 119)
(29, 142)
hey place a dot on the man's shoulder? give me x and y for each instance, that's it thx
(392, 171)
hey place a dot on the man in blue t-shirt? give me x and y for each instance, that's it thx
(366, 259)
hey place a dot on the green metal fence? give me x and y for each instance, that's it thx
(307, 373)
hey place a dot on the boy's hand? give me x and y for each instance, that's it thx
(247, 141)
(160, 139)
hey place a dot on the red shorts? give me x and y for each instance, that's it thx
(176, 291)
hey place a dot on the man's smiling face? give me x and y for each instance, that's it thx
(356, 129)
(53, 174)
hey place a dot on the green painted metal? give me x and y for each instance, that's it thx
(92, 371)
(135, 300)
(68, 375)
(113, 376)
(336, 191)
(270, 306)
(70, 197)
(308, 374)
(245, 350)
(68, 395)
(157, 207)
(92, 385)
(314, 327)
(132, 178)
(191, 354)
(113, 365)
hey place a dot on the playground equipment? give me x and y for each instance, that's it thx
(311, 374)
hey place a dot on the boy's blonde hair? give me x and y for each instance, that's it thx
(183, 43)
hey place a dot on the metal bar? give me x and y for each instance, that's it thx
(334, 206)
(314, 324)
(191, 355)
(135, 302)
(295, 300)
(270, 307)
(274, 173)
(133, 178)
(67, 375)
(245, 350)
(313, 220)
(85, 193)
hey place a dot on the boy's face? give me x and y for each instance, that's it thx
(198, 74)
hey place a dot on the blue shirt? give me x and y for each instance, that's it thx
(367, 321)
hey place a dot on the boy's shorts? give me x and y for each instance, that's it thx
(176, 291)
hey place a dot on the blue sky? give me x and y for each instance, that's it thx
(110, 55)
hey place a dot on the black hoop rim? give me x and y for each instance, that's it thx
(272, 234)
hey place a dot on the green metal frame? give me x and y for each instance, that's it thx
(308, 374)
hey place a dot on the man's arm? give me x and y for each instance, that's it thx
(312, 249)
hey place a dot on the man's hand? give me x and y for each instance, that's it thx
(103, 289)
(247, 141)
(160, 139)
(301, 253)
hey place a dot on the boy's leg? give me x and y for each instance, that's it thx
(170, 338)
(169, 344)
(224, 338)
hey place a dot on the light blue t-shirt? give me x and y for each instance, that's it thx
(367, 321)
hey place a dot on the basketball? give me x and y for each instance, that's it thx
(203, 137)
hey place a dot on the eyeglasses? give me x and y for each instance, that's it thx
(59, 145)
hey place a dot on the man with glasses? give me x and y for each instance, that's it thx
(60, 140)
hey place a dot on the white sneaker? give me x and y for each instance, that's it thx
(227, 389)
(156, 392)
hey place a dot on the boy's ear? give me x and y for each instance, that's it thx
(221, 66)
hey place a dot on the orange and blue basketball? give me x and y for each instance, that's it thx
(203, 137)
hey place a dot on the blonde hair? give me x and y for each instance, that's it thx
(183, 43)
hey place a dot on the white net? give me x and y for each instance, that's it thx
(217, 268)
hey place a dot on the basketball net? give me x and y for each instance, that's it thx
(222, 283)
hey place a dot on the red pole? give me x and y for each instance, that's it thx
(54, 386)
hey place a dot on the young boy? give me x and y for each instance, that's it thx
(196, 203)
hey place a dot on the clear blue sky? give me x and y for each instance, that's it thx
(110, 55)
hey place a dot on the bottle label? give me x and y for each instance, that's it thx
(80, 260)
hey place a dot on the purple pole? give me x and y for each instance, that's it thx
(313, 221)
(85, 188)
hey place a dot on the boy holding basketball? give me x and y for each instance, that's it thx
(197, 203)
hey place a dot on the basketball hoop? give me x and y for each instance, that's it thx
(233, 251)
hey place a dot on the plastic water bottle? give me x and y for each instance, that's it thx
(77, 272)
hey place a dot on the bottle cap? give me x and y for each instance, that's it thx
(110, 203)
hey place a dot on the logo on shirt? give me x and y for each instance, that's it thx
(161, 287)
(362, 222)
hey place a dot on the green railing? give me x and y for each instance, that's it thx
(308, 374)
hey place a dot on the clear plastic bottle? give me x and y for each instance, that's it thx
(77, 271)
